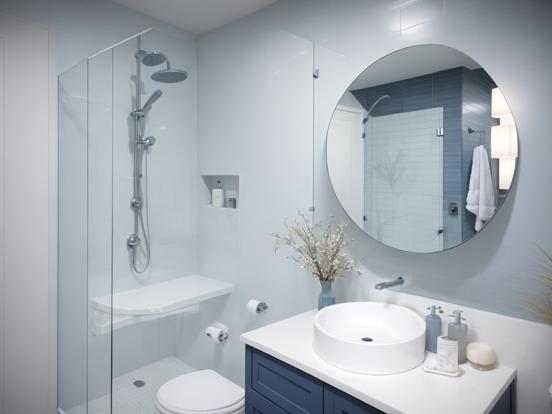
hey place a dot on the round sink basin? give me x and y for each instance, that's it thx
(370, 337)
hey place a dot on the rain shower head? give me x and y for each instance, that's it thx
(153, 58)
(169, 75)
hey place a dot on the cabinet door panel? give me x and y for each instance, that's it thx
(505, 405)
(287, 387)
(337, 402)
(257, 404)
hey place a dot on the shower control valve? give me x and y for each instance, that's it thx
(136, 203)
(133, 240)
(148, 142)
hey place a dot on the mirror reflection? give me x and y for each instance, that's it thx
(422, 149)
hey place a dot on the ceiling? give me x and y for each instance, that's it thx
(411, 62)
(196, 16)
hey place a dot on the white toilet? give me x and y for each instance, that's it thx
(200, 392)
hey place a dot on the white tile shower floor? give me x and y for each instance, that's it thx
(129, 399)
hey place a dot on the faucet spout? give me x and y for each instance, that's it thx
(386, 285)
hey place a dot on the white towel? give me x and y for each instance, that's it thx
(481, 196)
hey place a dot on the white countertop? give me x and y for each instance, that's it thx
(412, 392)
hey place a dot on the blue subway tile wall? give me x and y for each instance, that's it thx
(464, 95)
(440, 89)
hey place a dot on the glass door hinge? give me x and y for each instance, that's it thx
(316, 73)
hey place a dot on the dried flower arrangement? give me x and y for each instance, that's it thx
(542, 306)
(318, 248)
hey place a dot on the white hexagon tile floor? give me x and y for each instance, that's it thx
(130, 399)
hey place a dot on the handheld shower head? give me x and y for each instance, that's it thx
(154, 97)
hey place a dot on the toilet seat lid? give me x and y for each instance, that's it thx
(200, 392)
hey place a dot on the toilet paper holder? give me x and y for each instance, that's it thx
(256, 306)
(261, 307)
(220, 330)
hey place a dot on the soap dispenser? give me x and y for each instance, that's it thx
(459, 331)
(217, 196)
(434, 327)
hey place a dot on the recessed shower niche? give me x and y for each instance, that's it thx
(230, 186)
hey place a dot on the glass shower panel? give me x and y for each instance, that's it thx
(100, 154)
(165, 185)
(72, 240)
(130, 185)
(403, 179)
(334, 68)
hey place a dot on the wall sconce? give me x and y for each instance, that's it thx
(504, 142)
(506, 169)
(504, 147)
(500, 107)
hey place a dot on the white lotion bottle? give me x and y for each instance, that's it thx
(217, 196)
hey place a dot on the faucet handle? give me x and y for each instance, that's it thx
(457, 314)
(434, 309)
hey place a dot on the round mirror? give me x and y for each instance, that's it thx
(422, 149)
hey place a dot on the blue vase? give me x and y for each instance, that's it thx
(327, 296)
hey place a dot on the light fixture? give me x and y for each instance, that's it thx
(504, 141)
(499, 106)
(506, 169)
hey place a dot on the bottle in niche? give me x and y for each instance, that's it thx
(217, 196)
(459, 331)
(232, 199)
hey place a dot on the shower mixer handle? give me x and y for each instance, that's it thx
(136, 203)
(148, 142)
(133, 241)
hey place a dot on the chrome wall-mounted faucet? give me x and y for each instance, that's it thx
(386, 285)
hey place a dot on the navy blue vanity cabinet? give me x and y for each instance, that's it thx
(274, 387)
(505, 405)
(337, 402)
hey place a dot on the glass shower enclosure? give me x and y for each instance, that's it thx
(127, 171)
(147, 265)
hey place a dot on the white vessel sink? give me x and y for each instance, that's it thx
(370, 337)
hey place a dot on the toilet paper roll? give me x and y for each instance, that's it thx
(215, 334)
(255, 307)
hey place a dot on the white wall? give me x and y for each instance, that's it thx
(492, 269)
(81, 28)
(510, 40)
(28, 220)
(255, 120)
